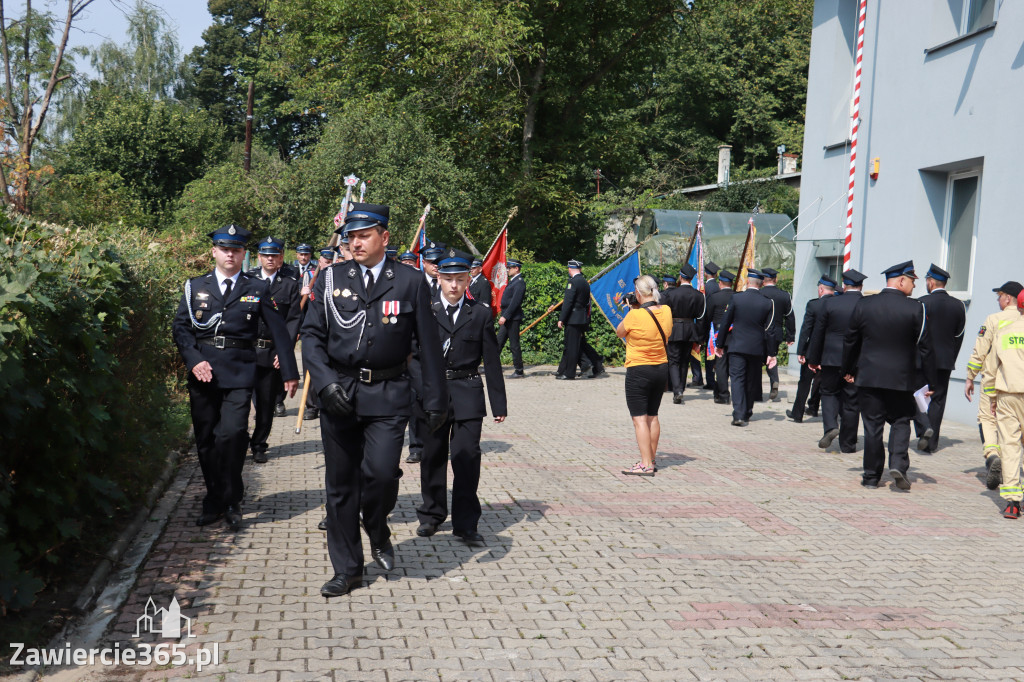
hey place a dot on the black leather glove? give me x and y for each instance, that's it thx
(335, 401)
(436, 420)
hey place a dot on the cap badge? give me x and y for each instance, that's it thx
(231, 230)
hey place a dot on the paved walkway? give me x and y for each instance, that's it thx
(752, 555)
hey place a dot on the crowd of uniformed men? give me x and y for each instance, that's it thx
(389, 346)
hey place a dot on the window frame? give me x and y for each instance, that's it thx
(965, 13)
(947, 225)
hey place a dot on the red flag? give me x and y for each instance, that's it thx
(494, 269)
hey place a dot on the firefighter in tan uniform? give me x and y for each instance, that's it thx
(994, 323)
(1004, 386)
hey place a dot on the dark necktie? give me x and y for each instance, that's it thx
(369, 283)
(452, 309)
(227, 288)
(433, 288)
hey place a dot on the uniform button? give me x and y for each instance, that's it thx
(369, 324)
(370, 342)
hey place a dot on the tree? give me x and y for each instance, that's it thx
(156, 147)
(239, 47)
(34, 66)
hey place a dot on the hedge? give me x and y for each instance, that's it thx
(86, 370)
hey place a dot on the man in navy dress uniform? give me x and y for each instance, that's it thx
(887, 337)
(366, 315)
(688, 307)
(718, 365)
(826, 289)
(284, 289)
(512, 316)
(465, 329)
(744, 337)
(840, 412)
(479, 285)
(947, 319)
(574, 319)
(215, 329)
(784, 326)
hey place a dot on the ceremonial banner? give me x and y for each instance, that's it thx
(609, 291)
(419, 240)
(747, 259)
(494, 269)
(697, 259)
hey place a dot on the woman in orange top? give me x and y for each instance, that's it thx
(646, 368)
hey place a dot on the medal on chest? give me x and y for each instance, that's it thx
(390, 311)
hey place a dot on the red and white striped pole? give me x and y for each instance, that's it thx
(855, 126)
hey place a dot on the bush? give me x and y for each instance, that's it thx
(85, 353)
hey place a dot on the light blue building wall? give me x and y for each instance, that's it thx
(942, 109)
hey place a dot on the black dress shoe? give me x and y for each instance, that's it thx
(414, 457)
(811, 412)
(311, 414)
(599, 374)
(259, 456)
(697, 384)
(384, 555)
(560, 377)
(341, 585)
(279, 410)
(789, 413)
(233, 516)
(426, 529)
(722, 401)
(869, 483)
(518, 374)
(677, 399)
(827, 439)
(738, 422)
(322, 525)
(925, 441)
(470, 537)
(206, 518)
(900, 479)
(775, 392)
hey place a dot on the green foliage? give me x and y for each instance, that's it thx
(157, 147)
(256, 201)
(84, 360)
(774, 196)
(545, 286)
(89, 199)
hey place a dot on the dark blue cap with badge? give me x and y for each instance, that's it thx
(407, 256)
(327, 252)
(687, 271)
(303, 248)
(937, 273)
(710, 268)
(362, 216)
(433, 251)
(510, 263)
(271, 246)
(756, 274)
(770, 272)
(391, 252)
(668, 279)
(726, 276)
(231, 236)
(852, 278)
(574, 264)
(454, 262)
(477, 263)
(827, 281)
(904, 269)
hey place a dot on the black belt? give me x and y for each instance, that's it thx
(460, 373)
(371, 376)
(224, 342)
(264, 343)
(680, 319)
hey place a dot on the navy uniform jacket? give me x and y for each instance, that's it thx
(285, 292)
(947, 318)
(512, 299)
(480, 289)
(784, 326)
(472, 338)
(746, 324)
(718, 302)
(811, 313)
(688, 307)
(887, 333)
(830, 327)
(710, 287)
(247, 306)
(361, 340)
(576, 302)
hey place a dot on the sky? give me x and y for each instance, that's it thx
(105, 20)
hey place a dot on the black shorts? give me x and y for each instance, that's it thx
(645, 385)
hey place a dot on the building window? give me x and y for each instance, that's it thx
(977, 13)
(960, 228)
